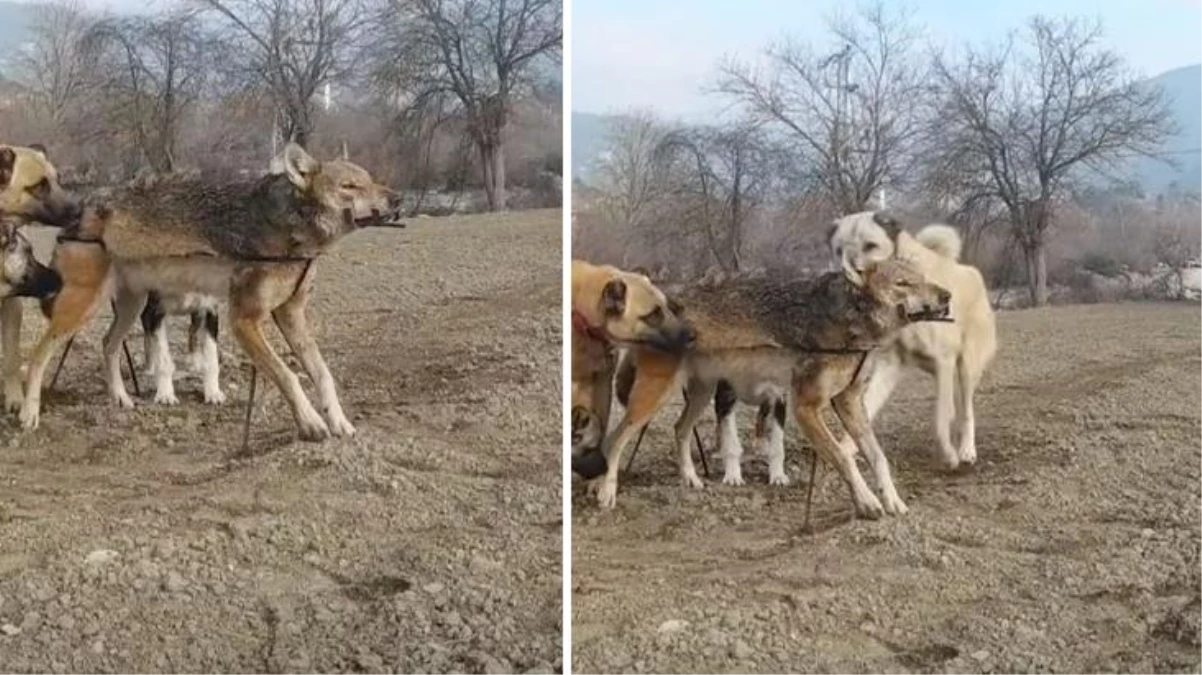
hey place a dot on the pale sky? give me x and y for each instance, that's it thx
(630, 54)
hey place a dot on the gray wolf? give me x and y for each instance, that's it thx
(611, 309)
(956, 353)
(772, 340)
(29, 192)
(254, 243)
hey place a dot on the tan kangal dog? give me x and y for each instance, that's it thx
(610, 308)
(253, 242)
(767, 339)
(956, 353)
(29, 193)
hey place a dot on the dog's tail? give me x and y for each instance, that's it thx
(942, 239)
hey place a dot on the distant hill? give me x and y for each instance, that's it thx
(1183, 87)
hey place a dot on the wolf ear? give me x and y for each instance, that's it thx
(887, 222)
(8, 158)
(613, 298)
(297, 164)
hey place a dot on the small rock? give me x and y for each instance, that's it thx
(434, 587)
(100, 556)
(980, 656)
(98, 647)
(741, 650)
(673, 626)
(1147, 533)
(173, 582)
(9, 629)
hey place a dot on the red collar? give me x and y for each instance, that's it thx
(581, 325)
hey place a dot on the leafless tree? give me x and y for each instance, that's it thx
(293, 48)
(724, 176)
(52, 67)
(854, 115)
(155, 72)
(478, 56)
(1017, 125)
(628, 173)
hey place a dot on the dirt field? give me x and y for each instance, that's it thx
(1072, 547)
(139, 540)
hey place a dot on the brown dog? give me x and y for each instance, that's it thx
(611, 309)
(767, 339)
(29, 193)
(255, 243)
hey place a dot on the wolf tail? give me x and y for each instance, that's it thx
(942, 239)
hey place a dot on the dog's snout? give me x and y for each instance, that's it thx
(687, 335)
(944, 296)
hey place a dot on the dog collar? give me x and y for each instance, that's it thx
(581, 325)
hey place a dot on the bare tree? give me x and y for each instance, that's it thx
(725, 176)
(476, 55)
(293, 48)
(156, 72)
(628, 173)
(854, 115)
(1019, 124)
(52, 67)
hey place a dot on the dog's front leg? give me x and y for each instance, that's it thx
(290, 317)
(654, 380)
(945, 408)
(10, 328)
(73, 307)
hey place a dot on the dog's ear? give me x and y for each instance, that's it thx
(887, 222)
(40, 149)
(8, 159)
(613, 298)
(299, 165)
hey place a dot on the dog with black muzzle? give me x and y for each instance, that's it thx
(30, 192)
(253, 242)
(611, 309)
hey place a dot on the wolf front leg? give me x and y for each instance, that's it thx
(290, 317)
(10, 334)
(256, 290)
(809, 418)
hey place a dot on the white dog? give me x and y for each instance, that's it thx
(956, 353)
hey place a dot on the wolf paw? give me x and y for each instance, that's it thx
(340, 426)
(870, 509)
(894, 506)
(691, 480)
(312, 427)
(122, 399)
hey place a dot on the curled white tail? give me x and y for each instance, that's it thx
(942, 239)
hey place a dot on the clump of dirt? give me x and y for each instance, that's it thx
(144, 540)
(1073, 545)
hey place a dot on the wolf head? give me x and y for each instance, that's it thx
(30, 191)
(899, 291)
(345, 194)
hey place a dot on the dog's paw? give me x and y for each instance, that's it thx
(968, 454)
(779, 479)
(214, 396)
(13, 402)
(732, 478)
(166, 397)
(30, 414)
(607, 493)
